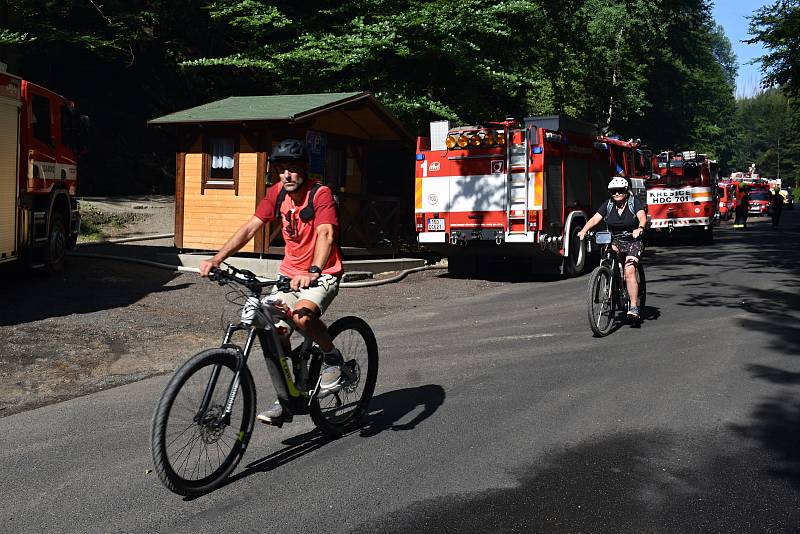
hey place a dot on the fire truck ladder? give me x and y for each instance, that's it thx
(517, 184)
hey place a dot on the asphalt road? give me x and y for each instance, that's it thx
(497, 412)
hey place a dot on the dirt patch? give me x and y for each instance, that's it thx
(104, 323)
(110, 218)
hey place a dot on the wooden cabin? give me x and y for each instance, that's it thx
(355, 146)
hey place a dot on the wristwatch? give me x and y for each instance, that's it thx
(314, 270)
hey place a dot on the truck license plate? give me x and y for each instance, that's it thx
(436, 225)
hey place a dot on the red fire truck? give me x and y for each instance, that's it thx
(682, 194)
(760, 197)
(518, 189)
(40, 137)
(726, 200)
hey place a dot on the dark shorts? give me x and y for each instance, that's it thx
(633, 248)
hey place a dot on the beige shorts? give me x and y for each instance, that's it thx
(321, 294)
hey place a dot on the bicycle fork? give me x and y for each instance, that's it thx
(233, 389)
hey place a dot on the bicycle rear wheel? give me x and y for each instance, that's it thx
(600, 302)
(194, 448)
(335, 413)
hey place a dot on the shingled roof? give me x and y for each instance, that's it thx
(262, 108)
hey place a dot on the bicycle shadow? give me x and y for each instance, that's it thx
(648, 313)
(385, 410)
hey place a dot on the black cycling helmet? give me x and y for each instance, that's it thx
(289, 149)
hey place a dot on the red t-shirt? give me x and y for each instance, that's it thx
(301, 237)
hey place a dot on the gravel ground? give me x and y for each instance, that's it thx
(103, 323)
(154, 214)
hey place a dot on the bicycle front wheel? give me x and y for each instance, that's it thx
(195, 446)
(642, 286)
(600, 302)
(335, 413)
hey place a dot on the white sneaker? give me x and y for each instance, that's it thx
(331, 373)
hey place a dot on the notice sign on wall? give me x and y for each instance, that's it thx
(316, 142)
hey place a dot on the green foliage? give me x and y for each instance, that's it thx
(777, 26)
(8, 37)
(770, 138)
(659, 70)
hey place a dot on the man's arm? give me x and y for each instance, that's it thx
(241, 236)
(322, 251)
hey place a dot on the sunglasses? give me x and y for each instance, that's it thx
(292, 168)
(617, 191)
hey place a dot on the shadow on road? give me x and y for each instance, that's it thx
(638, 482)
(387, 409)
(755, 271)
(385, 413)
(84, 286)
(775, 427)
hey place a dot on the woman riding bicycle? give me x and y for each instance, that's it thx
(625, 217)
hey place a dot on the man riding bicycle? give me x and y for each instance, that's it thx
(625, 217)
(312, 261)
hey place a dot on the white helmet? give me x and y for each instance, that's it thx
(618, 182)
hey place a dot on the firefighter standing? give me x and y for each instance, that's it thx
(742, 207)
(775, 208)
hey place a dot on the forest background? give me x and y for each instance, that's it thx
(658, 70)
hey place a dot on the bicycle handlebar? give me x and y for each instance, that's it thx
(245, 278)
(623, 233)
(249, 279)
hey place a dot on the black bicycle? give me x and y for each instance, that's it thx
(205, 417)
(607, 289)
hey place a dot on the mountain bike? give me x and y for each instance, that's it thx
(205, 417)
(607, 289)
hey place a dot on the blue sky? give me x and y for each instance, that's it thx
(732, 15)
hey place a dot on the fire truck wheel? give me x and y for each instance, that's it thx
(575, 263)
(56, 252)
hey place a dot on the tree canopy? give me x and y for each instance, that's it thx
(658, 70)
(777, 26)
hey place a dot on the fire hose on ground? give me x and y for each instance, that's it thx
(180, 268)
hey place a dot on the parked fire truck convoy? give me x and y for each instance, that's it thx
(519, 189)
(522, 189)
(40, 138)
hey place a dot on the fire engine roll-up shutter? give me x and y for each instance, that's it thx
(9, 147)
(553, 194)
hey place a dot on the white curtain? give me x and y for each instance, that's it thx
(222, 153)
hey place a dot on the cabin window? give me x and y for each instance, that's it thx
(221, 163)
(40, 119)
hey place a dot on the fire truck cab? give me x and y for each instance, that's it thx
(515, 189)
(40, 138)
(682, 194)
(760, 197)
